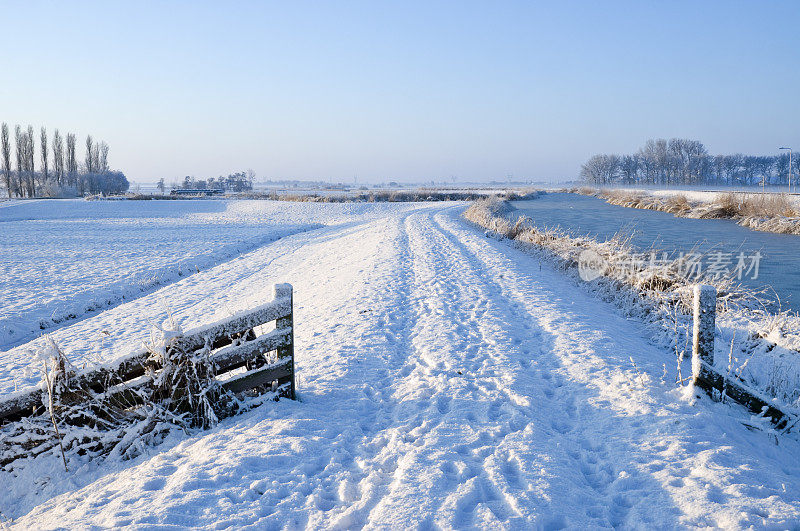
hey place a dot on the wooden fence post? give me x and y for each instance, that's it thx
(705, 309)
(281, 291)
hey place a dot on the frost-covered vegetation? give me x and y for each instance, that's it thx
(778, 213)
(679, 161)
(78, 421)
(753, 344)
(60, 174)
(102, 413)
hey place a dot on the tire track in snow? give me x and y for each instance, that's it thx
(468, 382)
(636, 442)
(375, 455)
(424, 398)
(571, 421)
(596, 437)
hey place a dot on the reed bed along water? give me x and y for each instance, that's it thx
(777, 212)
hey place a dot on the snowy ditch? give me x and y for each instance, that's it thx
(758, 347)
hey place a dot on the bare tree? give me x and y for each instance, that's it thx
(58, 157)
(72, 160)
(5, 149)
(19, 139)
(96, 157)
(30, 163)
(44, 148)
(72, 163)
(781, 168)
(102, 160)
(629, 168)
(62, 167)
(89, 160)
(680, 161)
(601, 169)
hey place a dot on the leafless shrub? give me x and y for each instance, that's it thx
(390, 196)
(50, 376)
(185, 385)
(101, 418)
(52, 189)
(724, 206)
(677, 204)
(76, 418)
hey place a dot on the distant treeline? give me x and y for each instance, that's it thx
(60, 173)
(680, 162)
(235, 182)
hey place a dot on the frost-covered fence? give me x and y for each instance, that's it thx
(239, 357)
(707, 375)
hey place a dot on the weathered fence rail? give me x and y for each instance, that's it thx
(704, 372)
(233, 345)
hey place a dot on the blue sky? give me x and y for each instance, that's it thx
(400, 90)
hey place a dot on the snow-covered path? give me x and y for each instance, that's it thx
(446, 380)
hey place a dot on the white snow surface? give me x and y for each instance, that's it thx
(709, 196)
(446, 379)
(61, 260)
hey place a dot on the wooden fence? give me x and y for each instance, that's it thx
(705, 374)
(233, 343)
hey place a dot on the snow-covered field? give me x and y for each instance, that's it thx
(60, 260)
(709, 196)
(446, 380)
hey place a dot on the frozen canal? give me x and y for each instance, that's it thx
(779, 266)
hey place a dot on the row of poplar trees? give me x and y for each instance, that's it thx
(58, 163)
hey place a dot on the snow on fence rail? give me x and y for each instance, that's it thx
(232, 343)
(705, 374)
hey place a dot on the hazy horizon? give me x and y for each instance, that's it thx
(407, 92)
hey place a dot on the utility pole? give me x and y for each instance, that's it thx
(790, 167)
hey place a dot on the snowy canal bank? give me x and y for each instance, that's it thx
(779, 265)
(445, 379)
